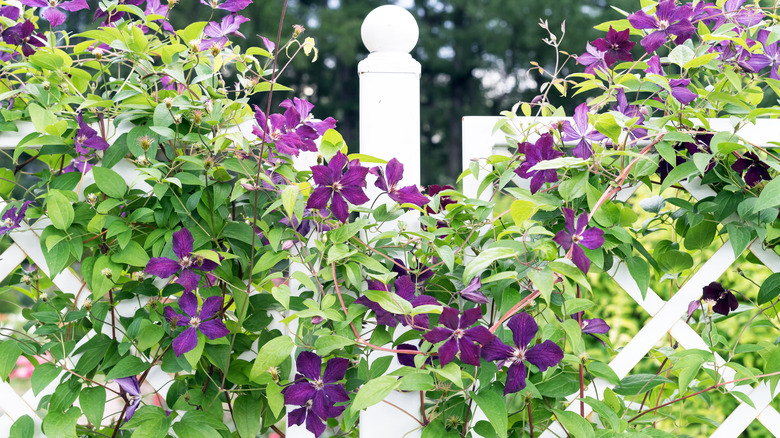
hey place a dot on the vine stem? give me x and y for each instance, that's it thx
(530, 421)
(582, 371)
(359, 339)
(715, 386)
(516, 308)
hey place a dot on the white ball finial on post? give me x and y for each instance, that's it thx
(390, 128)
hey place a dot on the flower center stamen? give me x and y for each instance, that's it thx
(518, 355)
(195, 322)
(458, 333)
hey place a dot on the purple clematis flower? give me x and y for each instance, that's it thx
(335, 185)
(228, 26)
(444, 201)
(580, 131)
(543, 150)
(404, 288)
(573, 239)
(681, 92)
(718, 299)
(12, 218)
(87, 142)
(205, 321)
(228, 5)
(733, 11)
(543, 356)
(616, 46)
(771, 56)
(473, 293)
(459, 337)
(24, 36)
(52, 12)
(631, 111)
(654, 66)
(316, 392)
(756, 169)
(407, 359)
(310, 127)
(186, 264)
(592, 59)
(10, 12)
(155, 7)
(419, 274)
(592, 326)
(281, 130)
(388, 183)
(669, 20)
(131, 392)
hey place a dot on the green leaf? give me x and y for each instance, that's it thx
(606, 124)
(23, 427)
(127, 366)
(389, 301)
(149, 335)
(93, 401)
(681, 55)
(700, 236)
(374, 391)
(247, 415)
(494, 408)
(543, 280)
(674, 262)
(9, 352)
(418, 381)
(344, 232)
(451, 372)
(577, 426)
(271, 354)
(162, 116)
(606, 414)
(600, 369)
(522, 211)
(447, 256)
(640, 272)
(770, 289)
(639, 384)
(41, 117)
(678, 174)
(769, 197)
(61, 425)
(275, 398)
(485, 259)
(43, 374)
(149, 422)
(572, 272)
(60, 210)
(740, 237)
(289, 196)
(101, 284)
(326, 344)
(109, 182)
(699, 60)
(132, 254)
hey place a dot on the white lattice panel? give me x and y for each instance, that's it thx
(479, 141)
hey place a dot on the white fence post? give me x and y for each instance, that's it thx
(390, 128)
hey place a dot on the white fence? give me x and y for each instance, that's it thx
(389, 101)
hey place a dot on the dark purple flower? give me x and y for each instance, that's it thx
(545, 355)
(733, 11)
(407, 359)
(654, 66)
(227, 5)
(281, 130)
(459, 337)
(473, 293)
(419, 274)
(757, 170)
(388, 183)
(310, 127)
(186, 264)
(573, 239)
(52, 12)
(12, 218)
(228, 26)
(10, 12)
(681, 92)
(770, 58)
(205, 321)
(701, 143)
(444, 201)
(592, 59)
(580, 132)
(616, 46)
(592, 326)
(405, 289)
(718, 299)
(669, 20)
(631, 111)
(87, 138)
(24, 36)
(131, 392)
(543, 150)
(335, 185)
(316, 392)
(155, 7)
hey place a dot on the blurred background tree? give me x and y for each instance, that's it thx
(475, 57)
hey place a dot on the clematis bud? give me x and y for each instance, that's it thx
(145, 142)
(168, 101)
(88, 304)
(297, 30)
(177, 119)
(107, 273)
(197, 117)
(214, 50)
(46, 85)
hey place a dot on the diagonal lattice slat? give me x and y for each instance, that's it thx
(480, 141)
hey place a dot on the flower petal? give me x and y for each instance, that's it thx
(162, 267)
(319, 197)
(395, 172)
(189, 279)
(186, 341)
(296, 417)
(437, 335)
(339, 207)
(314, 424)
(469, 317)
(496, 350)
(182, 243)
(515, 378)
(544, 355)
(479, 334)
(298, 393)
(336, 393)
(523, 328)
(580, 259)
(189, 304)
(449, 318)
(214, 329)
(592, 238)
(309, 364)
(469, 351)
(335, 370)
(211, 306)
(448, 351)
(129, 385)
(595, 325)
